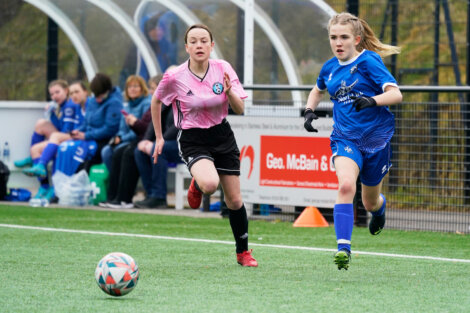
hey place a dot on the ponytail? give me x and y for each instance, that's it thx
(368, 39)
(370, 42)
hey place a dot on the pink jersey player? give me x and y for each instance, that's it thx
(200, 91)
(198, 102)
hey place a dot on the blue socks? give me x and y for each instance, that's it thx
(43, 181)
(380, 211)
(48, 153)
(36, 138)
(344, 220)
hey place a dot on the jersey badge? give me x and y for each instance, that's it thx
(217, 88)
(353, 69)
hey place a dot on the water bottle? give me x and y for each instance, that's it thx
(37, 202)
(6, 153)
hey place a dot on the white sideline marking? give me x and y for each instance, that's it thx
(91, 232)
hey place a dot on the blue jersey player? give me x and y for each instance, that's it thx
(361, 89)
(65, 118)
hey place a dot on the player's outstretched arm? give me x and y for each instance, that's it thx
(392, 95)
(156, 107)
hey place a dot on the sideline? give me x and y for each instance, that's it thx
(76, 231)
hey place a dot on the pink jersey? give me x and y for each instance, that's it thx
(198, 103)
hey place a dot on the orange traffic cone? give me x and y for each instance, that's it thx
(310, 217)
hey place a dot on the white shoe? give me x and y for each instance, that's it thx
(125, 205)
(103, 204)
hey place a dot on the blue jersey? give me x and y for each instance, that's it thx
(63, 117)
(365, 75)
(80, 115)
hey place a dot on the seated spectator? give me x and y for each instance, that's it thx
(124, 175)
(60, 119)
(102, 117)
(154, 175)
(79, 96)
(136, 93)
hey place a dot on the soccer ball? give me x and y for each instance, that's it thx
(117, 274)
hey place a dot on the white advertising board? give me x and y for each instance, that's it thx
(283, 164)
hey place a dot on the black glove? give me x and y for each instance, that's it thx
(363, 102)
(309, 116)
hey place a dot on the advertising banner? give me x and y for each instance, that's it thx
(283, 164)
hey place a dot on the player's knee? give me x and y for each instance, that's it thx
(234, 202)
(55, 138)
(370, 204)
(347, 188)
(208, 187)
(40, 124)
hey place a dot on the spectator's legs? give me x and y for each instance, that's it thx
(144, 164)
(170, 153)
(107, 156)
(50, 149)
(159, 174)
(129, 174)
(42, 130)
(36, 138)
(114, 172)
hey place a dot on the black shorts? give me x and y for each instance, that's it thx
(216, 143)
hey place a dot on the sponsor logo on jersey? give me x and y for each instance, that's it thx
(344, 89)
(190, 93)
(348, 150)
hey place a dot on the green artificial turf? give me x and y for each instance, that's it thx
(45, 271)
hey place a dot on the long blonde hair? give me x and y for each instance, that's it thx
(368, 39)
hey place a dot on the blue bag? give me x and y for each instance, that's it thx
(18, 194)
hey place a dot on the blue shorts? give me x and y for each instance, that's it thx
(372, 166)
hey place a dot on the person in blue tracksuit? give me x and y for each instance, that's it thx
(361, 89)
(102, 117)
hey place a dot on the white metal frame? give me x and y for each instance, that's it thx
(252, 12)
(181, 11)
(113, 10)
(80, 44)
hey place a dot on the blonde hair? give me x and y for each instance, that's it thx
(64, 85)
(139, 80)
(368, 39)
(60, 82)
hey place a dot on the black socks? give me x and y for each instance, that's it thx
(239, 223)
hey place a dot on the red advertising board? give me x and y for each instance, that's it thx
(298, 162)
